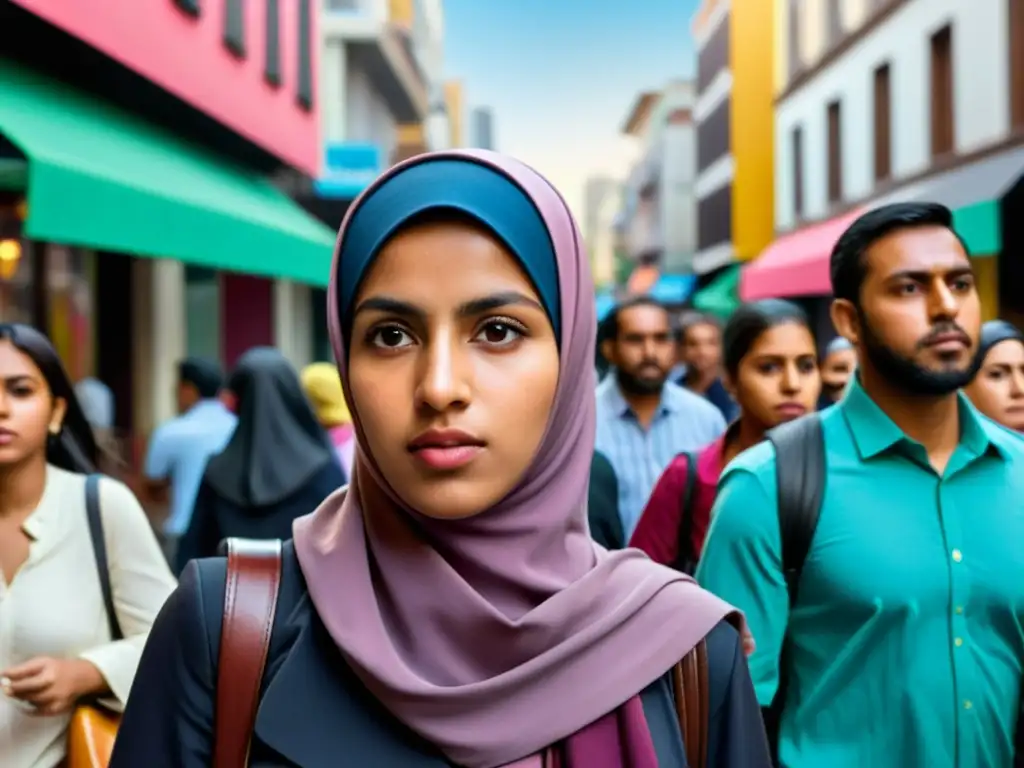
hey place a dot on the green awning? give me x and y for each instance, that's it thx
(721, 296)
(101, 178)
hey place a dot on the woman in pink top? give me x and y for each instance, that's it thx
(771, 368)
(322, 384)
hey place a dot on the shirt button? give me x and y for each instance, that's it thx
(959, 641)
(957, 556)
(968, 704)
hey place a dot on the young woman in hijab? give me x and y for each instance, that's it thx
(998, 389)
(771, 366)
(323, 388)
(277, 466)
(451, 609)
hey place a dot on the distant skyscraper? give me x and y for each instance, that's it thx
(481, 126)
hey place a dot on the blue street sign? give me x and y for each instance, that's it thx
(348, 168)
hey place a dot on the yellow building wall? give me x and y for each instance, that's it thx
(402, 12)
(411, 134)
(453, 98)
(986, 278)
(752, 129)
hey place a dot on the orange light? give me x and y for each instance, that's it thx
(10, 257)
(21, 209)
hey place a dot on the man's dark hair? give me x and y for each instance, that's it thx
(205, 375)
(610, 325)
(848, 264)
(694, 320)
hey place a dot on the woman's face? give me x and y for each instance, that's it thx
(998, 389)
(453, 366)
(778, 378)
(28, 411)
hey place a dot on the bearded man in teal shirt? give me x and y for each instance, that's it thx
(907, 636)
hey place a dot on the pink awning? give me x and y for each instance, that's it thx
(796, 264)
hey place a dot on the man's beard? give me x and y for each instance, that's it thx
(910, 377)
(635, 385)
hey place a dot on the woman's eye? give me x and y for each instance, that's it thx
(391, 337)
(907, 288)
(996, 375)
(767, 368)
(499, 333)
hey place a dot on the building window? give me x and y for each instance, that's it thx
(835, 153)
(943, 135)
(883, 123)
(714, 56)
(191, 7)
(714, 218)
(713, 136)
(1016, 25)
(794, 39)
(305, 92)
(272, 68)
(798, 172)
(234, 27)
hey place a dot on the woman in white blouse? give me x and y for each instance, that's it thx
(55, 642)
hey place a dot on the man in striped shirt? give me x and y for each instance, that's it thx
(644, 420)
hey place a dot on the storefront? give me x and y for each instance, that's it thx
(195, 243)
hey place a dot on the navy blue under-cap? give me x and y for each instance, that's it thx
(484, 194)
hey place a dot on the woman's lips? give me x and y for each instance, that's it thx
(448, 457)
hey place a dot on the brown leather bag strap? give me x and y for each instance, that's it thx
(690, 683)
(250, 601)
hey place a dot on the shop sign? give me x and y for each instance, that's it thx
(348, 168)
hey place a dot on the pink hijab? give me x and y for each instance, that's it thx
(497, 636)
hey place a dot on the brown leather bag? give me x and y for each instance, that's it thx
(93, 727)
(690, 685)
(250, 602)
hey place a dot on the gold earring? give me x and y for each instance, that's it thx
(55, 429)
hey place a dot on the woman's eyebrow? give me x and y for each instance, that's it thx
(470, 308)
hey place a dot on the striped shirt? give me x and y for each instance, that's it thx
(684, 421)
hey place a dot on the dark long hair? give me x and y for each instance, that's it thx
(74, 447)
(749, 321)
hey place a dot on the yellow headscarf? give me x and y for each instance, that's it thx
(322, 384)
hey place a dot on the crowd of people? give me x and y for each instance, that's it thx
(722, 546)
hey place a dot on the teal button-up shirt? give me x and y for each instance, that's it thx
(908, 635)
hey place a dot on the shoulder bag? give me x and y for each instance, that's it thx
(93, 727)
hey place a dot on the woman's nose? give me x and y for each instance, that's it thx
(443, 376)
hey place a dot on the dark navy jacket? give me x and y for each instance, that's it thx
(314, 712)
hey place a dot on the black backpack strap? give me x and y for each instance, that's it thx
(99, 550)
(686, 558)
(800, 472)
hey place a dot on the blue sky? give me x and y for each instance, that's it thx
(561, 75)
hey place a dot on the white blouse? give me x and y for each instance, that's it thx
(54, 605)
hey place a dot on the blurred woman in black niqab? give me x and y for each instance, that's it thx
(278, 465)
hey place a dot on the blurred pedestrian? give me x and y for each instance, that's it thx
(644, 420)
(998, 389)
(771, 364)
(603, 504)
(837, 368)
(277, 466)
(322, 384)
(179, 448)
(97, 401)
(700, 353)
(57, 642)
(450, 609)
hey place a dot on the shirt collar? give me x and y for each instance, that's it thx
(874, 432)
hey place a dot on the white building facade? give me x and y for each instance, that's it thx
(882, 101)
(659, 218)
